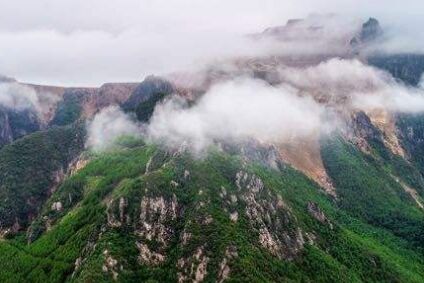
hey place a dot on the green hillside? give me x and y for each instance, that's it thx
(157, 216)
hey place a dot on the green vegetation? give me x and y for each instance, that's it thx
(102, 218)
(144, 110)
(29, 168)
(405, 67)
(368, 190)
(68, 111)
(412, 138)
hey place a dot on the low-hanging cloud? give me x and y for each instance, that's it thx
(98, 42)
(235, 111)
(107, 126)
(18, 97)
(307, 101)
(353, 84)
(21, 97)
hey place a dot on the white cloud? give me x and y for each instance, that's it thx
(351, 84)
(108, 125)
(21, 97)
(91, 42)
(235, 111)
(307, 101)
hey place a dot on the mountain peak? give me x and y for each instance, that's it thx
(370, 31)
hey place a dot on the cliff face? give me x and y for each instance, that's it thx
(370, 32)
(31, 168)
(58, 106)
(16, 124)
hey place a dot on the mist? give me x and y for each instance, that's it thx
(354, 85)
(308, 101)
(87, 43)
(19, 97)
(107, 126)
(235, 111)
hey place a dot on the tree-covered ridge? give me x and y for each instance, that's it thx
(30, 168)
(143, 214)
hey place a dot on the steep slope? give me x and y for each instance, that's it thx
(162, 216)
(144, 98)
(15, 124)
(406, 67)
(348, 207)
(30, 170)
(82, 103)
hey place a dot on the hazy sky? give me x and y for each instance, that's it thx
(88, 42)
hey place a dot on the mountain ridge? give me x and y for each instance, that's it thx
(340, 207)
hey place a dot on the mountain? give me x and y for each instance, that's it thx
(370, 31)
(342, 207)
(55, 106)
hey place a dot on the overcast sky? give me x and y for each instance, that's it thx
(88, 42)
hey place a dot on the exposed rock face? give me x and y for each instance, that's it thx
(224, 268)
(110, 265)
(77, 164)
(305, 155)
(149, 257)
(264, 154)
(154, 225)
(363, 131)
(318, 214)
(270, 217)
(57, 206)
(377, 126)
(386, 123)
(411, 191)
(193, 269)
(79, 103)
(108, 94)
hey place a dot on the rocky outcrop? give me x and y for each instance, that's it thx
(370, 31)
(224, 266)
(154, 225)
(361, 131)
(270, 217)
(385, 122)
(110, 265)
(304, 154)
(194, 268)
(108, 94)
(318, 214)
